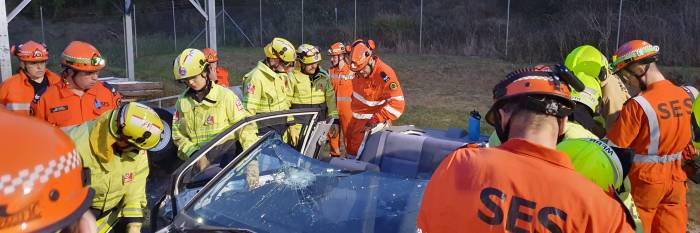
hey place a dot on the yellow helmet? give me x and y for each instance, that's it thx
(280, 48)
(189, 63)
(308, 54)
(140, 125)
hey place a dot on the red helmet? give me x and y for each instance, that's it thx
(42, 188)
(337, 49)
(30, 51)
(633, 51)
(537, 81)
(83, 57)
(211, 55)
(361, 54)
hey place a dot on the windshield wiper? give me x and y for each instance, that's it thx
(214, 229)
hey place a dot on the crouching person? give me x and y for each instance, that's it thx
(113, 147)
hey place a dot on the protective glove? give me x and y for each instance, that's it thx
(133, 227)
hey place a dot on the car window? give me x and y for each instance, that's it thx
(277, 189)
(293, 126)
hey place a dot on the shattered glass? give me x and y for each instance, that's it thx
(277, 189)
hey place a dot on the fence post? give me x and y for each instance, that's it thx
(619, 22)
(420, 33)
(507, 26)
(174, 25)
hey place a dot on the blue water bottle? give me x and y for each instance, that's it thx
(474, 129)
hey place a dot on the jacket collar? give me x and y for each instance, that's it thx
(523, 147)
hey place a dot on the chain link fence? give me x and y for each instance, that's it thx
(537, 31)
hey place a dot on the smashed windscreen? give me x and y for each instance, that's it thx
(276, 189)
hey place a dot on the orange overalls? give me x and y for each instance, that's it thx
(341, 79)
(378, 97)
(64, 109)
(222, 76)
(517, 187)
(656, 124)
(17, 94)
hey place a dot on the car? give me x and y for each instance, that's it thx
(277, 187)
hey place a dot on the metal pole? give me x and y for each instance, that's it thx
(507, 26)
(129, 37)
(261, 29)
(336, 16)
(41, 17)
(211, 24)
(619, 22)
(223, 22)
(302, 21)
(174, 26)
(136, 35)
(5, 61)
(354, 30)
(420, 33)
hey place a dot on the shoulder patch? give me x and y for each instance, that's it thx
(385, 77)
(393, 86)
(111, 88)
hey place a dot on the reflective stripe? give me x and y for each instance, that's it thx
(365, 101)
(692, 91)
(17, 107)
(362, 116)
(374, 103)
(393, 111)
(106, 223)
(396, 98)
(657, 159)
(653, 147)
(341, 99)
(342, 76)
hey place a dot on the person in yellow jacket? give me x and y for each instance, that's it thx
(266, 87)
(113, 147)
(310, 87)
(204, 110)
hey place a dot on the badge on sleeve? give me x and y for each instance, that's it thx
(393, 86)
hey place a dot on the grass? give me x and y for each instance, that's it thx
(440, 90)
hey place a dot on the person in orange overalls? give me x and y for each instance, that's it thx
(524, 185)
(81, 97)
(217, 73)
(31, 81)
(377, 97)
(656, 124)
(341, 79)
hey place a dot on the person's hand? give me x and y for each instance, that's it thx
(333, 131)
(371, 124)
(133, 227)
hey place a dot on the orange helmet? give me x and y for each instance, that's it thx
(83, 57)
(634, 51)
(337, 49)
(30, 51)
(361, 54)
(540, 81)
(42, 188)
(211, 55)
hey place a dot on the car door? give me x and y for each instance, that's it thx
(206, 163)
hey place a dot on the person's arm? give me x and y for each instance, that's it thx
(393, 95)
(252, 94)
(626, 128)
(247, 135)
(330, 96)
(4, 92)
(135, 195)
(614, 97)
(185, 147)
